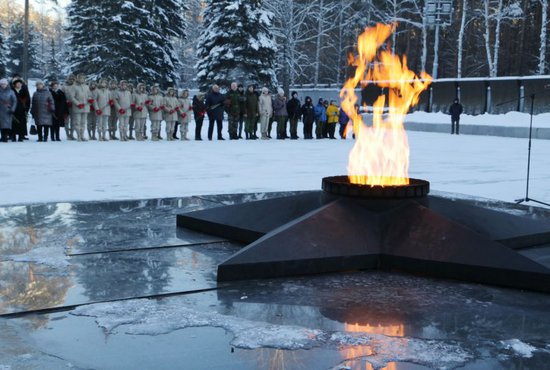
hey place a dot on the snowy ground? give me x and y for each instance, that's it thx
(492, 167)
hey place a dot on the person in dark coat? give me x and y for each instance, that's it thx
(215, 107)
(199, 110)
(252, 113)
(26, 96)
(61, 109)
(343, 120)
(242, 105)
(455, 110)
(42, 109)
(19, 127)
(308, 117)
(293, 108)
(8, 103)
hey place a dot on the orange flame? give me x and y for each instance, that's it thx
(380, 155)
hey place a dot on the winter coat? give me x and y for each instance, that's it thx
(232, 103)
(155, 107)
(42, 107)
(215, 105)
(308, 113)
(138, 104)
(81, 98)
(320, 113)
(242, 103)
(293, 108)
(170, 104)
(332, 114)
(185, 108)
(455, 110)
(123, 103)
(61, 111)
(102, 96)
(69, 91)
(279, 106)
(199, 108)
(8, 103)
(266, 105)
(20, 114)
(343, 118)
(251, 104)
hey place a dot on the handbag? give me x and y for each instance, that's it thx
(33, 130)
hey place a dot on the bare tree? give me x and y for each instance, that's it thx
(543, 37)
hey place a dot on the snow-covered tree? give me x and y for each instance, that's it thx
(2, 52)
(14, 44)
(126, 39)
(543, 37)
(52, 66)
(235, 44)
(187, 48)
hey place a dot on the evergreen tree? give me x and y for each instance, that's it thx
(235, 44)
(129, 40)
(14, 44)
(2, 53)
(53, 67)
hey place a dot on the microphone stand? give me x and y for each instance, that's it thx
(527, 198)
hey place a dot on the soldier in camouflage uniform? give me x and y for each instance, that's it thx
(233, 109)
(123, 101)
(154, 107)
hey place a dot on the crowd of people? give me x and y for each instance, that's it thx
(101, 110)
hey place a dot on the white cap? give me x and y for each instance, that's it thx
(280, 91)
(3, 81)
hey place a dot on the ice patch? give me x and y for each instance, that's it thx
(50, 256)
(521, 348)
(145, 317)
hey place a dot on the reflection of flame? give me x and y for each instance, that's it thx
(356, 352)
(380, 155)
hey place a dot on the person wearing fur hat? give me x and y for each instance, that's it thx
(171, 109)
(184, 113)
(102, 109)
(92, 118)
(113, 118)
(280, 113)
(19, 126)
(293, 108)
(123, 109)
(68, 89)
(155, 106)
(81, 99)
(61, 111)
(8, 103)
(265, 106)
(139, 99)
(42, 109)
(23, 96)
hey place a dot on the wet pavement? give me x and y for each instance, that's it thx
(114, 285)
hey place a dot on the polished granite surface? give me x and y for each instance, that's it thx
(79, 264)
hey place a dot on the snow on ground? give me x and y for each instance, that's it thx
(491, 167)
(510, 119)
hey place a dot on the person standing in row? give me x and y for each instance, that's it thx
(199, 111)
(113, 120)
(215, 106)
(19, 125)
(251, 113)
(455, 110)
(42, 108)
(26, 96)
(103, 110)
(320, 119)
(8, 103)
(293, 109)
(233, 109)
(280, 114)
(332, 119)
(123, 102)
(139, 106)
(170, 104)
(92, 118)
(242, 110)
(155, 107)
(343, 119)
(308, 117)
(184, 114)
(68, 89)
(61, 111)
(131, 120)
(266, 111)
(81, 105)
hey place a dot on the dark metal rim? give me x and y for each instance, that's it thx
(340, 185)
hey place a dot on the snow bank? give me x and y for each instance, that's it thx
(521, 348)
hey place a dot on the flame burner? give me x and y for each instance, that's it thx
(341, 186)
